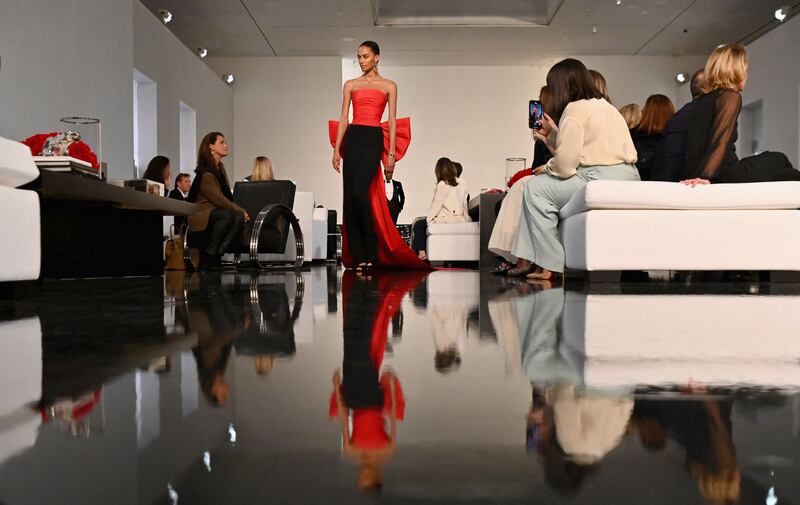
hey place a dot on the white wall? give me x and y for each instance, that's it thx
(281, 110)
(63, 61)
(180, 76)
(774, 78)
(475, 115)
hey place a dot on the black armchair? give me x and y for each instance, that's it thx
(269, 204)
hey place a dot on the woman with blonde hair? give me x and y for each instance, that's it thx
(600, 84)
(632, 114)
(711, 137)
(262, 170)
(649, 133)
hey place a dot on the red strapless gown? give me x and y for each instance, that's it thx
(393, 252)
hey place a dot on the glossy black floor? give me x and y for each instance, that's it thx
(219, 389)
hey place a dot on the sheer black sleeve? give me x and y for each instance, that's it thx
(726, 112)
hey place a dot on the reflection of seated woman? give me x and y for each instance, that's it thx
(219, 219)
(262, 170)
(449, 204)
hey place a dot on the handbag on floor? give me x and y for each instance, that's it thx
(173, 249)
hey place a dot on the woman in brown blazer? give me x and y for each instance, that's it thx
(217, 217)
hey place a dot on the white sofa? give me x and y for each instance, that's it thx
(20, 226)
(454, 241)
(625, 225)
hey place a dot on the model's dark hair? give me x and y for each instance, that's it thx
(372, 45)
(204, 157)
(570, 81)
(155, 169)
(445, 171)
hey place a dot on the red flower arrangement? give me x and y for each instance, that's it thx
(78, 149)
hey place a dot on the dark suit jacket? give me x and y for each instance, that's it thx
(176, 194)
(397, 201)
(668, 164)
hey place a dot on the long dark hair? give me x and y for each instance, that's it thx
(155, 169)
(204, 157)
(445, 171)
(570, 81)
(657, 112)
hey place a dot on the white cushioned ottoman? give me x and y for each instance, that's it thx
(454, 241)
(20, 226)
(627, 225)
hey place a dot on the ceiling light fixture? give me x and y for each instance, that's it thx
(782, 13)
(164, 15)
(228, 78)
(681, 78)
(202, 52)
(348, 39)
(619, 2)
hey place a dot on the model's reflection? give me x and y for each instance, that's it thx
(366, 396)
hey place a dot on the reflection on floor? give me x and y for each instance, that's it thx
(325, 386)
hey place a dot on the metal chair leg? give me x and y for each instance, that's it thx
(269, 212)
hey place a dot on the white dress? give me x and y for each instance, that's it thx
(506, 228)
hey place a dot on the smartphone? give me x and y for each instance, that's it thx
(535, 113)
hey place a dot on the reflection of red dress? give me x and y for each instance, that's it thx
(393, 252)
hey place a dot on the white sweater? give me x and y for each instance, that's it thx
(590, 133)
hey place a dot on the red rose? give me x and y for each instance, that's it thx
(81, 150)
(36, 142)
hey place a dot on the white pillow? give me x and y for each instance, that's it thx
(16, 164)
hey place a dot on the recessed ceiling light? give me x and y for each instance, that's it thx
(594, 30)
(228, 78)
(619, 2)
(202, 52)
(782, 13)
(348, 39)
(164, 15)
(681, 78)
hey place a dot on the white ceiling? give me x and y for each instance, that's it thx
(322, 27)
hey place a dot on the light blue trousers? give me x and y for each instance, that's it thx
(545, 195)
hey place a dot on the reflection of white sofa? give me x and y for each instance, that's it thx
(454, 241)
(624, 225)
(677, 339)
(20, 246)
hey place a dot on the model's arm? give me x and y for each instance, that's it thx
(392, 125)
(343, 119)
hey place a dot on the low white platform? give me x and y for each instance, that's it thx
(625, 225)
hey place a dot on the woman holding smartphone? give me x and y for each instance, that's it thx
(590, 142)
(369, 237)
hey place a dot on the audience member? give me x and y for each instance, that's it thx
(262, 170)
(600, 84)
(395, 197)
(590, 142)
(711, 137)
(183, 182)
(463, 187)
(218, 217)
(632, 114)
(649, 133)
(449, 205)
(668, 165)
(506, 227)
(159, 170)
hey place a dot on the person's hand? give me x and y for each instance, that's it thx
(695, 182)
(337, 161)
(548, 125)
(246, 217)
(337, 378)
(538, 170)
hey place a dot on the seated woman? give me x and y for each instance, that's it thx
(711, 137)
(449, 204)
(506, 227)
(632, 114)
(590, 142)
(649, 133)
(159, 170)
(262, 170)
(218, 218)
